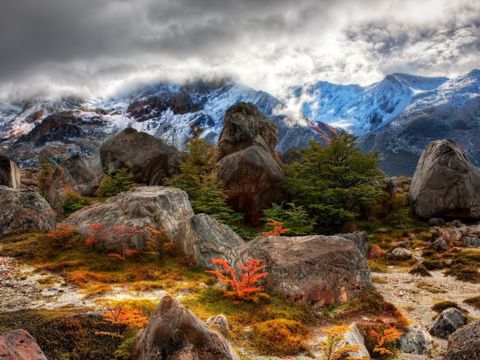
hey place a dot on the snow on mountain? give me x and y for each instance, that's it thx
(361, 110)
(450, 110)
(168, 111)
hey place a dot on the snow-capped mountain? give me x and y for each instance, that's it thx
(168, 111)
(361, 110)
(451, 110)
(399, 115)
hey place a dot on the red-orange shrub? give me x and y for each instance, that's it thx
(277, 228)
(245, 287)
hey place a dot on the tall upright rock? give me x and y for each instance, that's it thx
(250, 168)
(445, 183)
(9, 173)
(149, 159)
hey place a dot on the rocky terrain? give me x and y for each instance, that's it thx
(139, 274)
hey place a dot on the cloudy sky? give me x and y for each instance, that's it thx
(99, 47)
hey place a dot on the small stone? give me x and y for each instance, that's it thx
(447, 322)
(440, 245)
(470, 241)
(399, 253)
(219, 322)
(436, 222)
(416, 341)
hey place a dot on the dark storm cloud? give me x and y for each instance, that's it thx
(98, 45)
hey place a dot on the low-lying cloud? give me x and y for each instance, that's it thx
(99, 47)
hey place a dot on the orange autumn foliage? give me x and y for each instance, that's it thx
(335, 347)
(244, 287)
(64, 234)
(277, 228)
(130, 318)
(387, 337)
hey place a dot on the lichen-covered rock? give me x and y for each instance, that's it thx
(19, 345)
(245, 125)
(164, 209)
(354, 337)
(318, 270)
(174, 333)
(445, 183)
(416, 341)
(205, 238)
(149, 159)
(464, 344)
(447, 323)
(9, 173)
(159, 207)
(360, 238)
(24, 211)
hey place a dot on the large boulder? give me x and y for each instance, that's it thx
(254, 181)
(464, 344)
(174, 333)
(445, 183)
(249, 166)
(19, 345)
(164, 209)
(447, 323)
(9, 173)
(205, 238)
(24, 211)
(149, 159)
(318, 270)
(245, 125)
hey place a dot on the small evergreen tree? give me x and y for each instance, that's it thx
(295, 218)
(112, 185)
(198, 176)
(337, 183)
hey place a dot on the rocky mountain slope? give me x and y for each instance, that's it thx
(399, 115)
(170, 112)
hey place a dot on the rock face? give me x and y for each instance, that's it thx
(250, 168)
(9, 173)
(174, 333)
(464, 344)
(318, 270)
(445, 183)
(149, 159)
(447, 322)
(205, 238)
(24, 211)
(162, 208)
(19, 345)
(416, 341)
(360, 238)
(244, 126)
(74, 174)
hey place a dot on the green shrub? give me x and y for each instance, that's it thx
(336, 184)
(293, 217)
(198, 177)
(74, 202)
(112, 185)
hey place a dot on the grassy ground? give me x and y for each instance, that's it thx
(96, 275)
